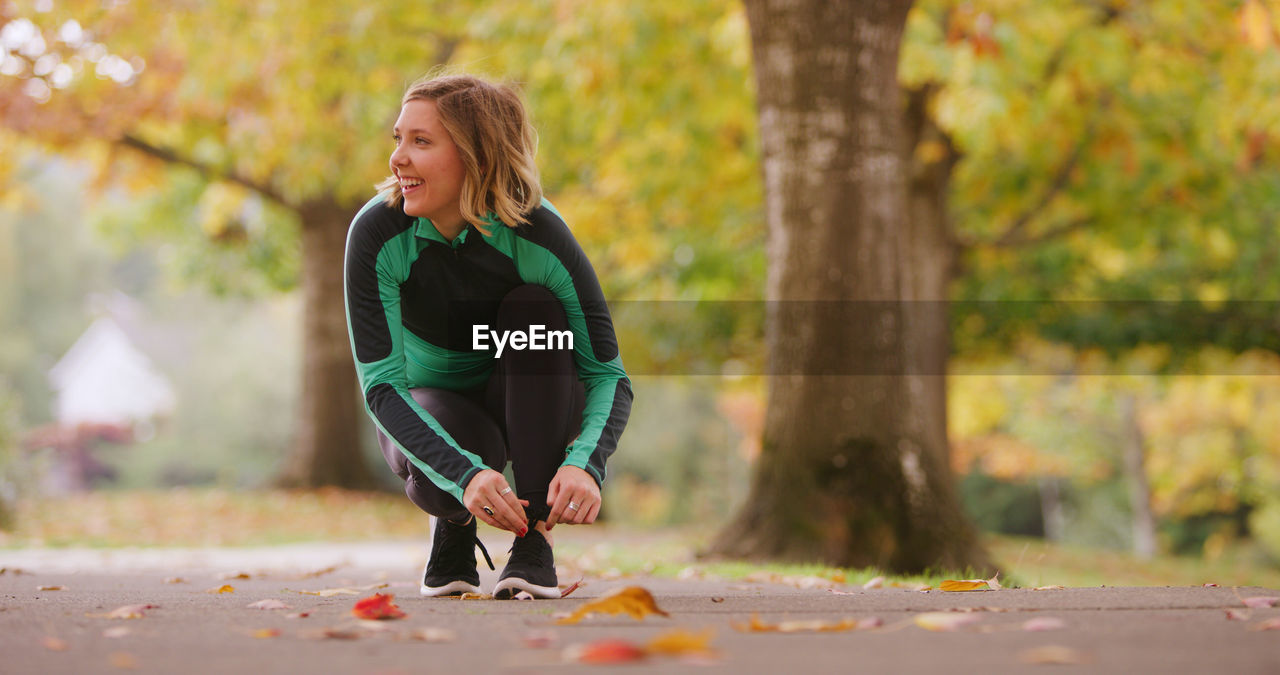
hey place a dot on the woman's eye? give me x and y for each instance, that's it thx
(422, 140)
(396, 140)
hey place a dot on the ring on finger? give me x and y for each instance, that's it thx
(573, 506)
(487, 510)
(505, 492)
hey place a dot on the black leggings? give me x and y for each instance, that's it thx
(528, 412)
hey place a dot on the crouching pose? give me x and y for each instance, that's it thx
(481, 336)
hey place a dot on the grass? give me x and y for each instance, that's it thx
(208, 517)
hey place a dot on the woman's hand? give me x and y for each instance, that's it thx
(490, 489)
(573, 496)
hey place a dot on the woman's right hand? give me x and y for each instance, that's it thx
(486, 489)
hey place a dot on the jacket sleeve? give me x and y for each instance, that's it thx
(380, 249)
(548, 254)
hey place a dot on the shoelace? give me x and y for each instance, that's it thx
(475, 538)
(524, 549)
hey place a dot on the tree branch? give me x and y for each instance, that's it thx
(172, 157)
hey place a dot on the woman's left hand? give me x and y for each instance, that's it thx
(573, 496)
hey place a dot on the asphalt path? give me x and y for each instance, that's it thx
(68, 627)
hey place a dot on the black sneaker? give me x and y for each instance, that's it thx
(451, 570)
(531, 568)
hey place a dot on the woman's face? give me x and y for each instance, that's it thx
(427, 164)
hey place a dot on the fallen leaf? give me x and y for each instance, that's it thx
(318, 573)
(870, 622)
(970, 585)
(994, 582)
(944, 621)
(540, 639)
(123, 660)
(175, 580)
(474, 596)
(51, 588)
(755, 625)
(329, 634)
(1043, 623)
(377, 606)
(297, 615)
(717, 599)
(225, 588)
(330, 592)
(129, 611)
(1237, 615)
(1049, 588)
(1270, 624)
(679, 642)
(54, 644)
(631, 600)
(433, 635)
(268, 604)
(1260, 602)
(910, 587)
(839, 592)
(266, 633)
(1053, 655)
(116, 632)
(605, 652)
(875, 582)
(1210, 585)
(226, 576)
(564, 593)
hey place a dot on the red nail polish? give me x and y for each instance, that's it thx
(523, 531)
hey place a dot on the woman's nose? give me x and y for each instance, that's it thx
(397, 157)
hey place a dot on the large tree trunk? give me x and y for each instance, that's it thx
(326, 448)
(1135, 469)
(850, 472)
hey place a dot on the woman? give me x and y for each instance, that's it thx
(452, 273)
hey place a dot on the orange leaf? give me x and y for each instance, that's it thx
(605, 651)
(225, 588)
(54, 644)
(680, 641)
(632, 600)
(377, 606)
(50, 588)
(266, 633)
(974, 585)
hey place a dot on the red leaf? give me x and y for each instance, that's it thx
(377, 606)
(606, 651)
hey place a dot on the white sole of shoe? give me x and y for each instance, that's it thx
(452, 588)
(511, 586)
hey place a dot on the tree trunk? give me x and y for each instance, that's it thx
(1135, 468)
(326, 448)
(850, 472)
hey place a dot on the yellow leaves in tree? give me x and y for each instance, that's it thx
(631, 600)
(1256, 25)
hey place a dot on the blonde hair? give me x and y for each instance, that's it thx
(496, 143)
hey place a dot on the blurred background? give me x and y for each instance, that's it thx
(162, 167)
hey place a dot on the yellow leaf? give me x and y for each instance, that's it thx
(755, 625)
(680, 641)
(225, 588)
(266, 633)
(950, 585)
(632, 600)
(944, 622)
(330, 592)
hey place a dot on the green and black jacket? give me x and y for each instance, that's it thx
(412, 298)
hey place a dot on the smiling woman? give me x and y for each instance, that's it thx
(460, 238)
